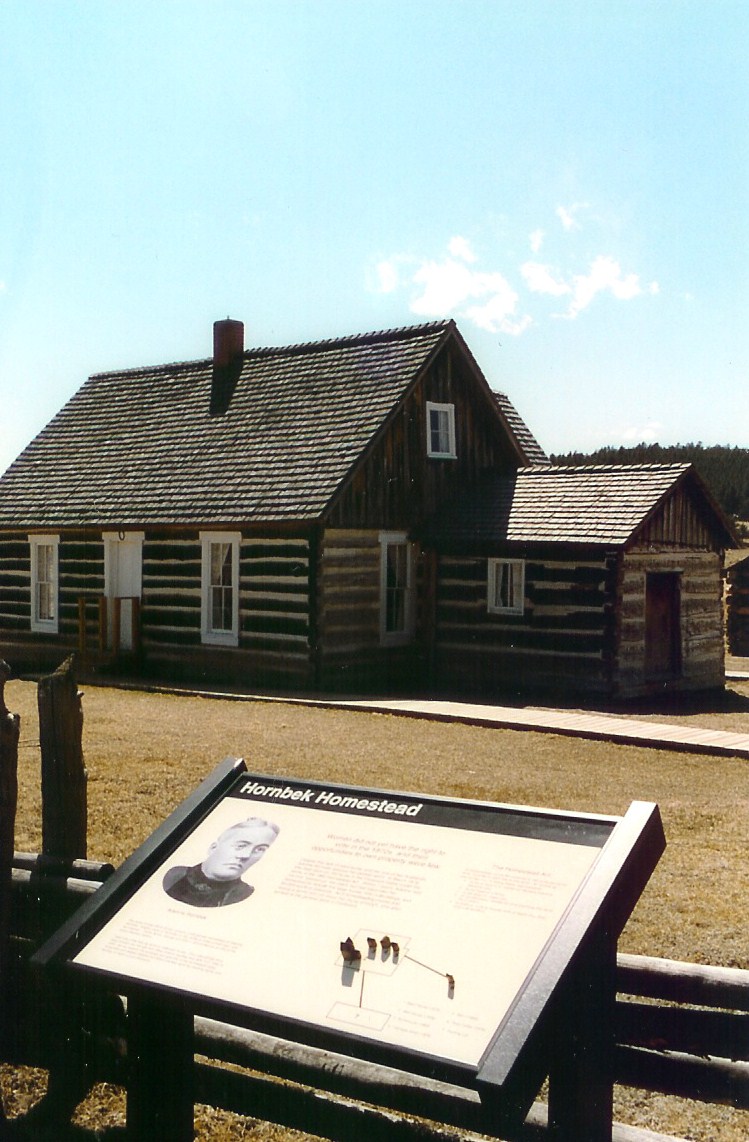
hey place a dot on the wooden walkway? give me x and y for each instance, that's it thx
(601, 727)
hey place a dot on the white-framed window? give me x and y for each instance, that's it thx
(396, 588)
(44, 583)
(506, 586)
(220, 587)
(441, 431)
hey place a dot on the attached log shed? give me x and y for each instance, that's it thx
(619, 582)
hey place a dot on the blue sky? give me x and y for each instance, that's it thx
(569, 180)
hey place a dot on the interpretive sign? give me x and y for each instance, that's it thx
(402, 920)
(405, 928)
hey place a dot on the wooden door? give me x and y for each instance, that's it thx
(123, 563)
(663, 624)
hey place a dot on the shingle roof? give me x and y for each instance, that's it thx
(534, 453)
(591, 504)
(139, 446)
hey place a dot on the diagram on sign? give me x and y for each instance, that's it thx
(379, 955)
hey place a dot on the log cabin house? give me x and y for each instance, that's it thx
(357, 514)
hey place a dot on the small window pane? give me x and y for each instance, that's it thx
(46, 609)
(439, 429)
(45, 562)
(397, 585)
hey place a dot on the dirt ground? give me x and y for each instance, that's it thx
(145, 752)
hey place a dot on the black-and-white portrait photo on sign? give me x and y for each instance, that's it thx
(217, 880)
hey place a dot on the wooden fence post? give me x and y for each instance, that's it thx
(81, 625)
(116, 625)
(64, 809)
(103, 622)
(136, 624)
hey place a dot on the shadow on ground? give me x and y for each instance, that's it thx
(28, 1128)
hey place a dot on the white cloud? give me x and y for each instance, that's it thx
(388, 278)
(540, 279)
(496, 316)
(461, 248)
(566, 215)
(645, 433)
(453, 286)
(448, 285)
(605, 274)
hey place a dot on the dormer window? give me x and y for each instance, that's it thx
(441, 431)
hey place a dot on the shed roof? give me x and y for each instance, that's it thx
(589, 504)
(140, 446)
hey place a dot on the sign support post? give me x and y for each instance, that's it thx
(581, 1082)
(160, 1069)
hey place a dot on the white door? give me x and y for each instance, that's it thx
(123, 578)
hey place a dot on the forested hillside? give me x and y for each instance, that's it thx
(725, 470)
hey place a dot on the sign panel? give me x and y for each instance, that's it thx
(410, 922)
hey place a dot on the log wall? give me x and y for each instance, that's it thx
(80, 572)
(349, 652)
(15, 583)
(274, 607)
(274, 618)
(565, 635)
(702, 644)
(282, 639)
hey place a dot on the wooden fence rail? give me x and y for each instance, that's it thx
(691, 1039)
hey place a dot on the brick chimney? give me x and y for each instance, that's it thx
(228, 350)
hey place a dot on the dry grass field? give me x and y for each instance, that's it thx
(145, 752)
